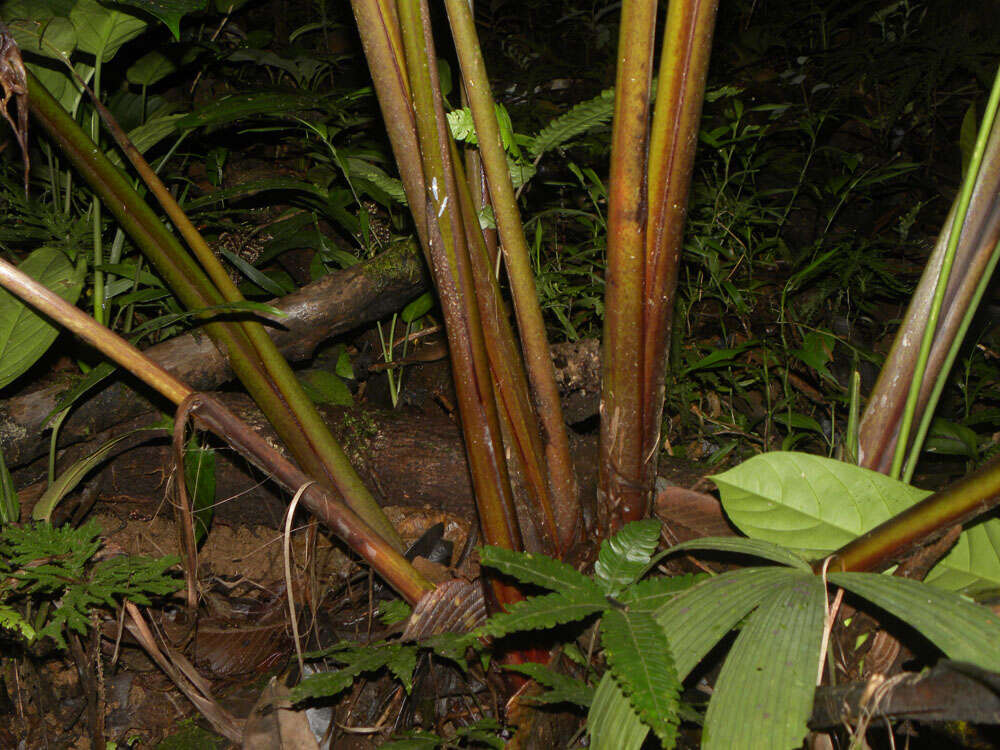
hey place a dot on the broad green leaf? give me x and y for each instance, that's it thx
(815, 505)
(740, 546)
(324, 387)
(418, 308)
(541, 612)
(101, 31)
(560, 688)
(150, 68)
(70, 478)
(170, 12)
(541, 571)
(612, 723)
(623, 558)
(24, 334)
(637, 650)
(58, 83)
(764, 694)
(698, 618)
(809, 502)
(973, 564)
(962, 630)
(44, 35)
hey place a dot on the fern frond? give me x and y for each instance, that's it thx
(624, 556)
(540, 571)
(542, 612)
(637, 650)
(579, 119)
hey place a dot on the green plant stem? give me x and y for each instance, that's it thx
(988, 136)
(345, 523)
(687, 44)
(448, 258)
(267, 376)
(378, 26)
(621, 493)
(943, 278)
(531, 325)
(650, 181)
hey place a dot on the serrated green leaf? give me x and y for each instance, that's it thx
(809, 502)
(393, 611)
(560, 688)
(612, 723)
(579, 119)
(752, 547)
(639, 654)
(402, 663)
(540, 571)
(11, 619)
(24, 334)
(652, 593)
(541, 612)
(696, 619)
(623, 557)
(764, 694)
(358, 659)
(961, 629)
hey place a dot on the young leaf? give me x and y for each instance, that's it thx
(765, 691)
(70, 478)
(639, 654)
(696, 619)
(540, 571)
(199, 478)
(624, 557)
(543, 612)
(612, 723)
(962, 630)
